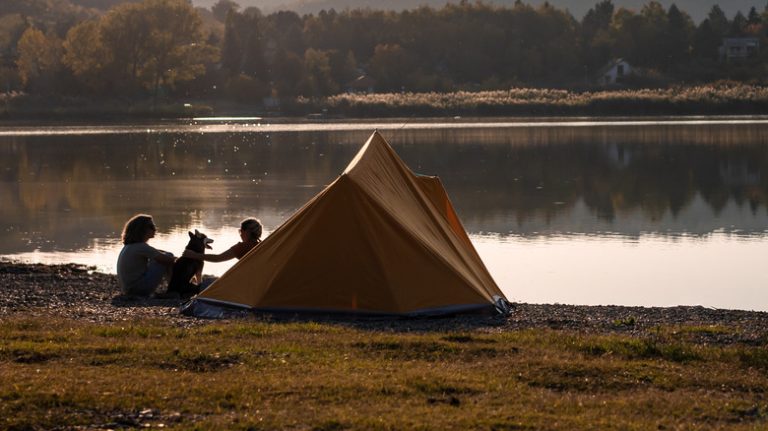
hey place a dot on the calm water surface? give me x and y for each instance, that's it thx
(649, 212)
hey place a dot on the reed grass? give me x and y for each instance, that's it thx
(719, 98)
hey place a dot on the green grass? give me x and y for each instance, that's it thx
(254, 375)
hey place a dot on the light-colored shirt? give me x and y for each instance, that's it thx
(132, 264)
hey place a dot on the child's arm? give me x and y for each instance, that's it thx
(227, 255)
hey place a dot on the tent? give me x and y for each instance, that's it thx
(378, 240)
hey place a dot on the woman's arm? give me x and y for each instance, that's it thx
(160, 256)
(227, 255)
(165, 258)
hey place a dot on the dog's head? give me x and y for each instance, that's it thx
(198, 241)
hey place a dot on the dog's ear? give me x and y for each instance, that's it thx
(191, 235)
(197, 234)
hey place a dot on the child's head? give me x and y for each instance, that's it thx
(251, 229)
(138, 229)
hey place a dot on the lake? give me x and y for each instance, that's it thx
(650, 212)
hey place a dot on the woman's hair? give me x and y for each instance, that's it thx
(251, 226)
(136, 228)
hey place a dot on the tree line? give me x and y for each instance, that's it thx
(168, 48)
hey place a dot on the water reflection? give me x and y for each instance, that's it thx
(600, 185)
(650, 271)
(670, 179)
(210, 125)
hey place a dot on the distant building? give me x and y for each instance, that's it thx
(361, 84)
(739, 48)
(614, 72)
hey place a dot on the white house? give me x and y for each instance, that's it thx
(739, 48)
(614, 72)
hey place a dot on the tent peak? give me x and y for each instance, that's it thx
(375, 143)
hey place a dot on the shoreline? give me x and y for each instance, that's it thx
(282, 124)
(720, 98)
(76, 292)
(97, 116)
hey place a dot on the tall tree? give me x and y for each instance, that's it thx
(718, 22)
(390, 66)
(318, 80)
(87, 57)
(343, 67)
(627, 29)
(595, 35)
(243, 49)
(232, 46)
(678, 37)
(738, 25)
(222, 8)
(177, 51)
(597, 19)
(653, 51)
(754, 18)
(126, 32)
(12, 26)
(706, 41)
(287, 73)
(254, 62)
(39, 59)
(285, 30)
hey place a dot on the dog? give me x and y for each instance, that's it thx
(185, 268)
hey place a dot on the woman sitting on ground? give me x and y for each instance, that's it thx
(250, 236)
(141, 267)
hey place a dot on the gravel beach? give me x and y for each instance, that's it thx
(76, 292)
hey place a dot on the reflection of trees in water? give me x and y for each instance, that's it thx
(159, 157)
(531, 173)
(614, 174)
(88, 188)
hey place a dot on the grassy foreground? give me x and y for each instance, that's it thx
(324, 376)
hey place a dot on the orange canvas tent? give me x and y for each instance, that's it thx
(378, 240)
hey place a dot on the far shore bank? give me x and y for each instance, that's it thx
(710, 100)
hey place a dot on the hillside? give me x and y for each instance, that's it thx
(698, 9)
